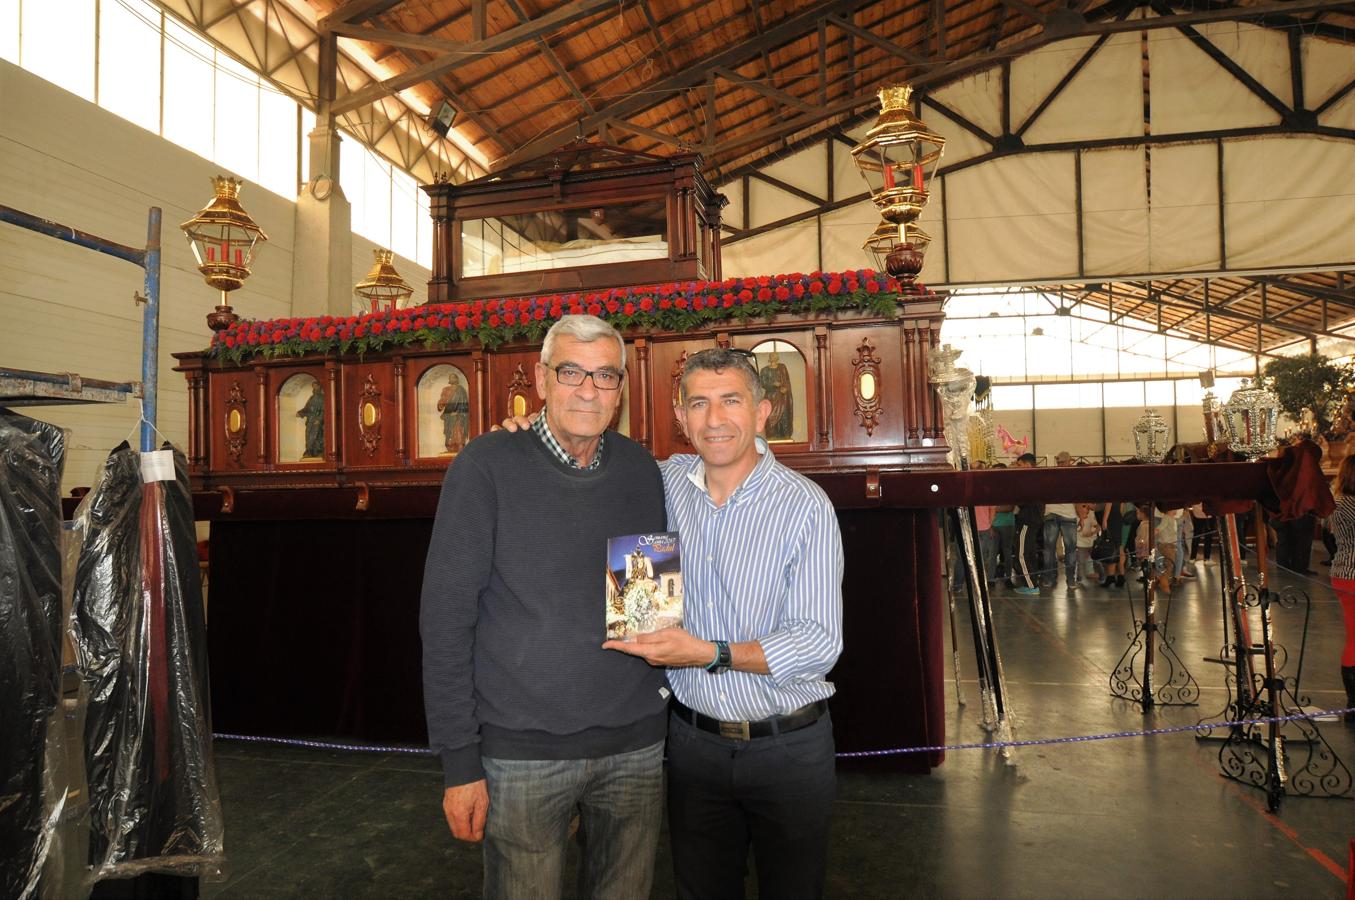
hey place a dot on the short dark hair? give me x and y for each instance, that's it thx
(717, 359)
(1027, 458)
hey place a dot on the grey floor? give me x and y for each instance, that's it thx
(1129, 817)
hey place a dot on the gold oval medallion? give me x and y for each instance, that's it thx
(235, 422)
(369, 414)
(866, 386)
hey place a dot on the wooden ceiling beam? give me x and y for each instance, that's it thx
(544, 24)
(355, 11)
(652, 94)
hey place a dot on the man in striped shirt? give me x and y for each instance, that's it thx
(750, 743)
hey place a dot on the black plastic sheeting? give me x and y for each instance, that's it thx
(141, 644)
(32, 455)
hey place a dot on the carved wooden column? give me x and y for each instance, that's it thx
(823, 365)
(910, 376)
(481, 390)
(332, 408)
(261, 417)
(641, 425)
(398, 371)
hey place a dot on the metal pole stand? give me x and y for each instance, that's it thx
(1149, 641)
(988, 660)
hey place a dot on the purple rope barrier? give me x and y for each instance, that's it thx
(994, 745)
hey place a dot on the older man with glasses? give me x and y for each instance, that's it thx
(531, 718)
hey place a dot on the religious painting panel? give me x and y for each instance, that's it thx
(442, 401)
(782, 373)
(301, 409)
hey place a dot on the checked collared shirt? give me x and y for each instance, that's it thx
(543, 431)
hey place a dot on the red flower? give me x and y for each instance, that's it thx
(782, 292)
(329, 331)
(665, 303)
(764, 294)
(729, 301)
(510, 318)
(680, 303)
(360, 331)
(539, 314)
(491, 305)
(697, 303)
(594, 309)
(404, 323)
(629, 308)
(377, 328)
(745, 295)
(493, 320)
(462, 322)
(873, 286)
(278, 336)
(612, 306)
(227, 340)
(475, 319)
(647, 304)
(815, 288)
(420, 322)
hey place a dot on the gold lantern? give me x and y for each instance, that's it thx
(224, 239)
(887, 236)
(898, 159)
(383, 287)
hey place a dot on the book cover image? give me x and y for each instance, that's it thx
(644, 584)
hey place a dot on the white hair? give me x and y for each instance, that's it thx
(585, 329)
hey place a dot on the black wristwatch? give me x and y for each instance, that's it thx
(723, 659)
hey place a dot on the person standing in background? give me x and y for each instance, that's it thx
(1342, 525)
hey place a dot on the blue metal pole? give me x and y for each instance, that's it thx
(71, 235)
(150, 332)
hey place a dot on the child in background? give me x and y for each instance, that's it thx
(1087, 529)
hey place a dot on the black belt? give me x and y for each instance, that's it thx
(743, 731)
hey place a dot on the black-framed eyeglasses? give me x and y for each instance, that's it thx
(573, 376)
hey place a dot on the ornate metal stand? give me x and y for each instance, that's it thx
(1261, 755)
(952, 540)
(992, 682)
(1171, 684)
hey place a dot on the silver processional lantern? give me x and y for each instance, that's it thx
(1151, 434)
(1249, 420)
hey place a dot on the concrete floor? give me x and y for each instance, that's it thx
(1134, 817)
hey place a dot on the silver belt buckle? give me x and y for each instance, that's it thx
(735, 731)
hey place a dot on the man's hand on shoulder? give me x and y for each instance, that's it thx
(517, 423)
(668, 647)
(466, 806)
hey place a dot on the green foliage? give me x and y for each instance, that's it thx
(1311, 382)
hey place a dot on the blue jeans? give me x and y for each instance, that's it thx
(619, 800)
(1053, 527)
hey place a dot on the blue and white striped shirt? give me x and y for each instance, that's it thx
(766, 566)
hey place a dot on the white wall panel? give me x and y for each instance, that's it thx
(961, 144)
(1115, 212)
(1191, 92)
(804, 169)
(844, 231)
(1106, 97)
(733, 212)
(794, 248)
(977, 98)
(1289, 202)
(1184, 219)
(1013, 218)
(847, 180)
(768, 203)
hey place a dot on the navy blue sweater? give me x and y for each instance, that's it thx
(513, 611)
